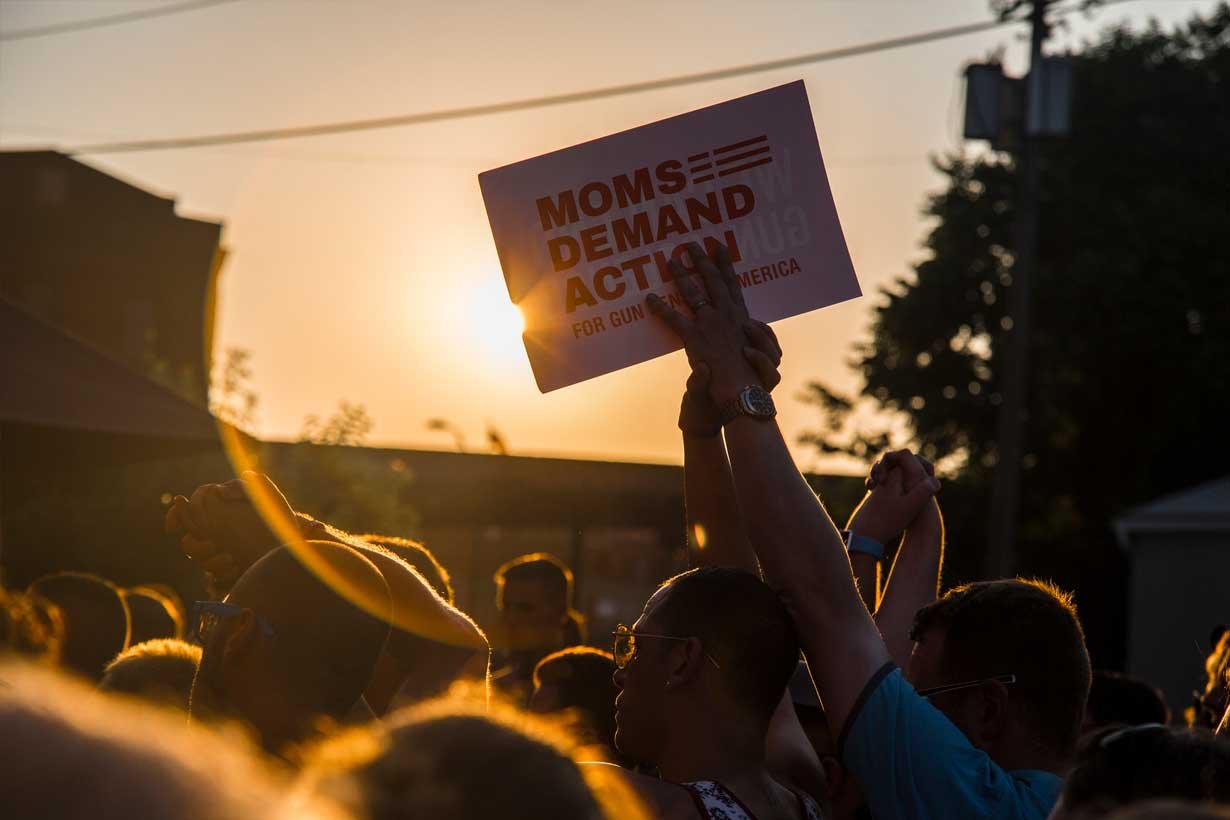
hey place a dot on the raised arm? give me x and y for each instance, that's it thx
(225, 528)
(803, 556)
(901, 497)
(717, 538)
(801, 552)
(716, 535)
(913, 582)
(715, 527)
(866, 570)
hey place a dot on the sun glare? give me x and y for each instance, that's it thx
(495, 324)
(500, 318)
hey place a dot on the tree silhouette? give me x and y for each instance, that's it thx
(231, 397)
(1130, 355)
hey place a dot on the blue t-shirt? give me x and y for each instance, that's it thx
(913, 762)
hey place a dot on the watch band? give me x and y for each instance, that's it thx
(862, 544)
(742, 405)
(730, 411)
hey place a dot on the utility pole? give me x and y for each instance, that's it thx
(1014, 362)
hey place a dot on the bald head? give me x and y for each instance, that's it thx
(305, 641)
(326, 636)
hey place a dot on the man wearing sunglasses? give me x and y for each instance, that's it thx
(285, 650)
(984, 745)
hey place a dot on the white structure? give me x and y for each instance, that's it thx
(1179, 547)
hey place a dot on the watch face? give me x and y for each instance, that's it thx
(757, 402)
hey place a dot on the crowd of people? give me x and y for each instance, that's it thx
(795, 671)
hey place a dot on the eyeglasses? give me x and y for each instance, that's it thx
(1129, 731)
(956, 687)
(625, 645)
(206, 615)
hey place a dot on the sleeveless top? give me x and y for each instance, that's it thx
(715, 802)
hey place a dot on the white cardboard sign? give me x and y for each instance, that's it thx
(584, 233)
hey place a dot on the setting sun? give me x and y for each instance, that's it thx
(496, 324)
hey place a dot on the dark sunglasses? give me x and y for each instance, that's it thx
(625, 645)
(206, 615)
(970, 684)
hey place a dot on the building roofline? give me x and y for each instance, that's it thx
(116, 177)
(1200, 509)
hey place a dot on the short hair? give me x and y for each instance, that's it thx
(584, 677)
(69, 752)
(30, 625)
(96, 620)
(742, 624)
(1117, 766)
(325, 645)
(153, 615)
(160, 670)
(458, 760)
(422, 559)
(1027, 628)
(1118, 699)
(536, 566)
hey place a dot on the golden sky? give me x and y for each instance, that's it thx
(362, 267)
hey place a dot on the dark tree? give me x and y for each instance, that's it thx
(1130, 356)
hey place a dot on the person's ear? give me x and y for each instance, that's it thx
(687, 661)
(993, 711)
(241, 640)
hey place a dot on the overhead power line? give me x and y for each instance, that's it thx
(110, 20)
(296, 132)
(536, 102)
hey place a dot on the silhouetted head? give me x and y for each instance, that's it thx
(153, 615)
(1119, 766)
(534, 596)
(579, 678)
(430, 644)
(160, 671)
(419, 557)
(30, 626)
(69, 752)
(450, 761)
(95, 619)
(1121, 700)
(287, 649)
(1028, 629)
(710, 642)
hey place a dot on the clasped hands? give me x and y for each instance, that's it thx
(900, 497)
(223, 530)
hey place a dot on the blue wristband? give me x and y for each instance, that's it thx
(863, 544)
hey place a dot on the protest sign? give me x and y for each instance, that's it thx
(584, 233)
